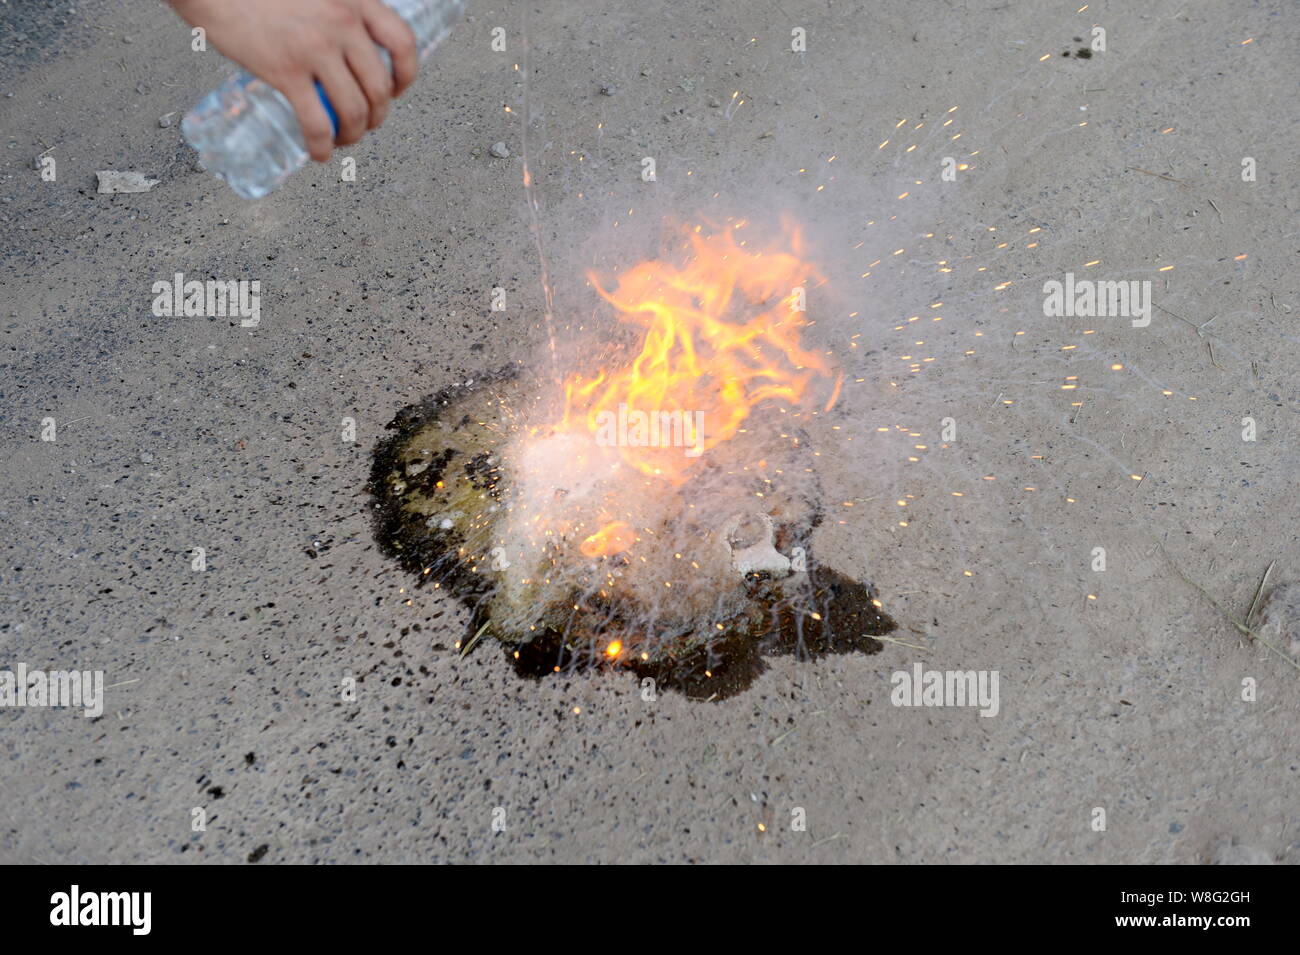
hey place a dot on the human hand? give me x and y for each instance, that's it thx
(291, 44)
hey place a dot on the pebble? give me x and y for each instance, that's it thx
(111, 181)
(500, 150)
(167, 120)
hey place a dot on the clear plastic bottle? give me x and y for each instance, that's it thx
(246, 132)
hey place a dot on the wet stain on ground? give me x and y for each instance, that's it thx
(828, 614)
(449, 440)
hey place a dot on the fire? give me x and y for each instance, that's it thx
(722, 328)
(613, 538)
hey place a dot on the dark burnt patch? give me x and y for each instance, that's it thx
(828, 613)
(807, 615)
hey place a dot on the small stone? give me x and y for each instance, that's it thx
(167, 120)
(499, 150)
(715, 103)
(758, 556)
(111, 181)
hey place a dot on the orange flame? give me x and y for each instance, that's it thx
(613, 538)
(722, 333)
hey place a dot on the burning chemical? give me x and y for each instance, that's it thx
(722, 337)
(660, 518)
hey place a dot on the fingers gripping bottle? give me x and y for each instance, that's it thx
(246, 132)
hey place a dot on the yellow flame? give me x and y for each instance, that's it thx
(613, 538)
(722, 333)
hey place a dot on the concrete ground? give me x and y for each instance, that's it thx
(1120, 689)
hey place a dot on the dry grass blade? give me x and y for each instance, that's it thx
(1241, 627)
(901, 643)
(1254, 603)
(472, 642)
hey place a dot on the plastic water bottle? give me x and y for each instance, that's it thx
(246, 132)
